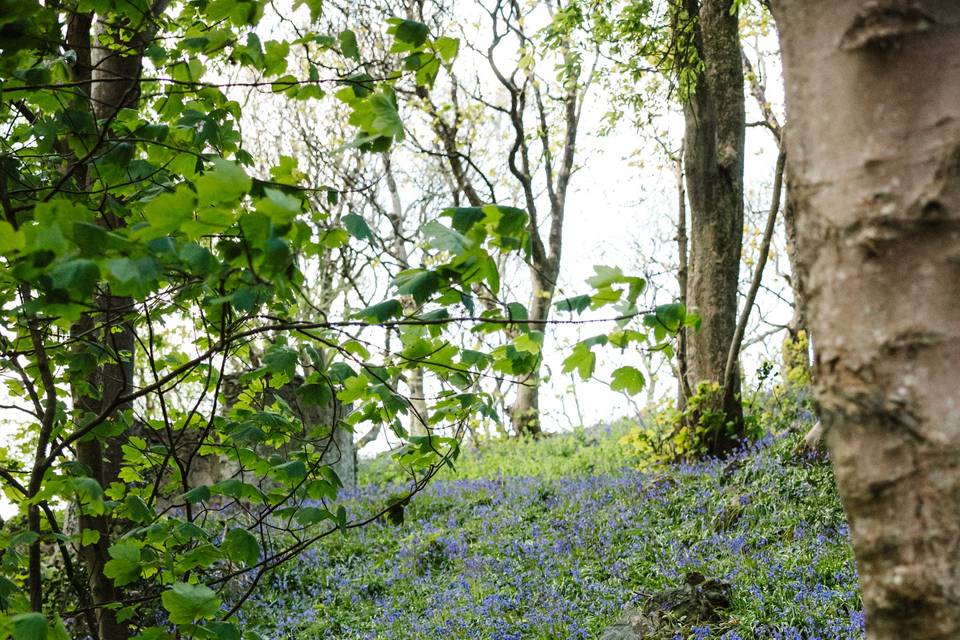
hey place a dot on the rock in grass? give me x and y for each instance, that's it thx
(673, 610)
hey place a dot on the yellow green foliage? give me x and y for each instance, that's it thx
(796, 363)
(673, 435)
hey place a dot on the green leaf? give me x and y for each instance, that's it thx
(187, 603)
(285, 84)
(236, 488)
(225, 182)
(510, 221)
(444, 238)
(200, 260)
(577, 304)
(124, 567)
(419, 283)
(409, 34)
(93, 239)
(334, 238)
(197, 494)
(203, 555)
(377, 115)
(77, 277)
(313, 515)
(292, 471)
(137, 509)
(10, 240)
(241, 546)
(30, 626)
(277, 255)
(629, 380)
(223, 630)
(447, 48)
(464, 218)
(24, 538)
(605, 276)
(153, 633)
(88, 537)
(357, 227)
(530, 342)
(668, 316)
(353, 389)
(582, 360)
(315, 394)
(135, 277)
(516, 311)
(282, 360)
(89, 494)
(7, 588)
(59, 630)
(381, 312)
(348, 45)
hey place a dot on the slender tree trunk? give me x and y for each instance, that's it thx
(418, 403)
(796, 344)
(873, 101)
(796, 350)
(683, 382)
(525, 411)
(734, 354)
(713, 158)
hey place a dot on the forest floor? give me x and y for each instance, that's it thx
(551, 540)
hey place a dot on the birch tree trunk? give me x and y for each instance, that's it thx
(873, 100)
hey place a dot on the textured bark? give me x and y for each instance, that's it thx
(116, 85)
(715, 124)
(873, 101)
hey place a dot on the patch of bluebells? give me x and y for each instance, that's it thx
(537, 558)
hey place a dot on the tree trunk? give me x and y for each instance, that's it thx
(525, 411)
(419, 418)
(796, 347)
(418, 403)
(713, 157)
(115, 86)
(873, 100)
(683, 387)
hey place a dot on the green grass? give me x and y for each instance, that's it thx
(593, 451)
(549, 540)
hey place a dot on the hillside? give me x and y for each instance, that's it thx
(552, 541)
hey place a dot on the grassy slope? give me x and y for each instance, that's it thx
(550, 540)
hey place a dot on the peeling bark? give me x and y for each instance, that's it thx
(873, 101)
